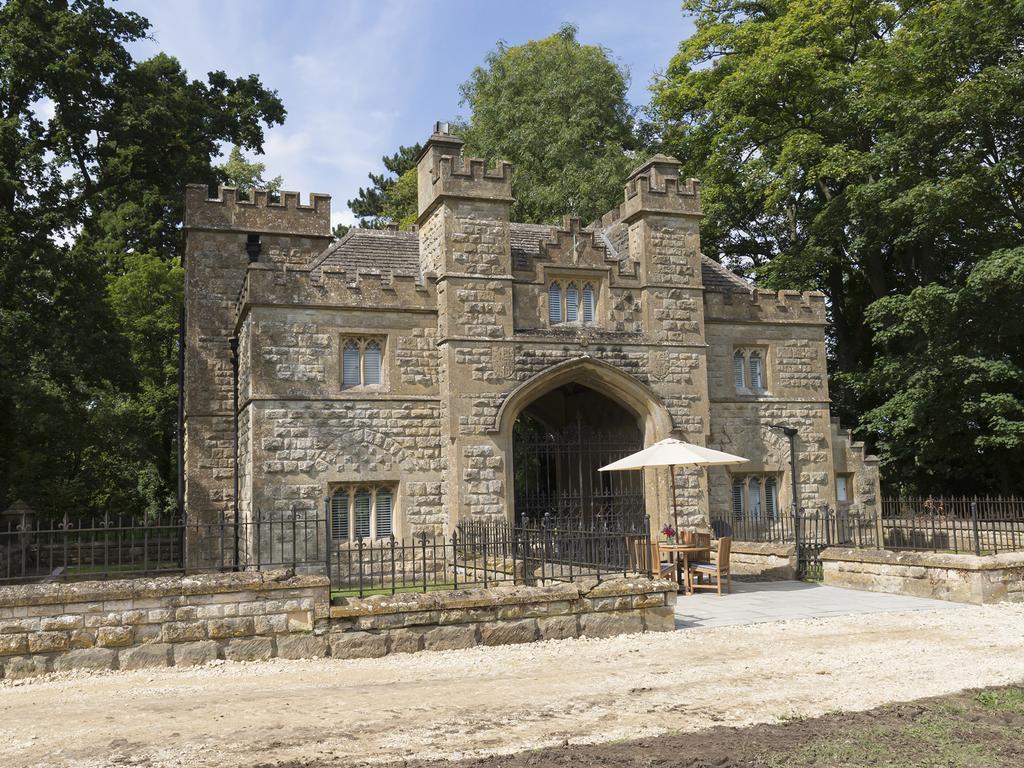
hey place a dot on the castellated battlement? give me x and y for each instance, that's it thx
(270, 284)
(764, 306)
(261, 213)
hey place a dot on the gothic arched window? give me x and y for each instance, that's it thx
(738, 366)
(555, 303)
(572, 303)
(588, 303)
(350, 364)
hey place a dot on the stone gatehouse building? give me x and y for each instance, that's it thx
(477, 368)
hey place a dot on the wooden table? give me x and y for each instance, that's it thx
(687, 551)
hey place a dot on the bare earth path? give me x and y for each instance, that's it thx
(496, 700)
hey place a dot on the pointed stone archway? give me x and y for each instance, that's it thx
(558, 427)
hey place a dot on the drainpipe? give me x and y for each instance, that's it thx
(180, 432)
(234, 417)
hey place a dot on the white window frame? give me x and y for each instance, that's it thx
(580, 287)
(362, 344)
(343, 508)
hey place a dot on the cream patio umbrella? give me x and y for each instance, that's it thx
(673, 453)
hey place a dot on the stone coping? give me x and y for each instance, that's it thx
(495, 596)
(767, 548)
(57, 593)
(961, 562)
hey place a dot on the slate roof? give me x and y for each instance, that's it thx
(390, 252)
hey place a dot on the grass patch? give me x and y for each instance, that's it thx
(1005, 700)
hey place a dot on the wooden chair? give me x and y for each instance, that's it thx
(641, 558)
(718, 569)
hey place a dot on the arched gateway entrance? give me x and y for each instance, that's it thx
(559, 440)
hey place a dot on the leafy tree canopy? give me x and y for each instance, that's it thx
(558, 111)
(949, 377)
(381, 203)
(95, 152)
(865, 148)
(247, 175)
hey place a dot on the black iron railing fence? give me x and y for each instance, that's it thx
(112, 547)
(485, 554)
(473, 555)
(985, 525)
(959, 525)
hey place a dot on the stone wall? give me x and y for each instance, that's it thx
(960, 578)
(375, 626)
(761, 561)
(255, 616)
(159, 622)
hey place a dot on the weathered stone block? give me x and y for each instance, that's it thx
(45, 642)
(301, 647)
(86, 658)
(184, 631)
(509, 632)
(114, 637)
(660, 619)
(195, 654)
(558, 627)
(83, 638)
(405, 640)
(300, 620)
(269, 625)
(147, 656)
(358, 645)
(249, 649)
(610, 623)
(223, 628)
(450, 638)
(61, 623)
(11, 644)
(20, 667)
(186, 613)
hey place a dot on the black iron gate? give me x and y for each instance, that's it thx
(557, 483)
(814, 530)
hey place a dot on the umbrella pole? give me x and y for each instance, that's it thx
(675, 510)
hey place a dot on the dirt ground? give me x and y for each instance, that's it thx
(965, 730)
(498, 701)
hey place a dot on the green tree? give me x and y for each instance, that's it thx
(864, 148)
(95, 150)
(246, 175)
(949, 380)
(381, 204)
(557, 109)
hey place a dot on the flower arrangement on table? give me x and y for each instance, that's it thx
(668, 532)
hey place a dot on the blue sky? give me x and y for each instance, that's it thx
(360, 78)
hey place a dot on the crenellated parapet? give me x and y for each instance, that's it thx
(759, 305)
(331, 287)
(443, 172)
(283, 213)
(656, 187)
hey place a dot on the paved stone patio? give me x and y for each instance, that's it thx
(757, 602)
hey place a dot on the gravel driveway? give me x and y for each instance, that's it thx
(493, 700)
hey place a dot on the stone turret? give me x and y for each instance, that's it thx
(223, 236)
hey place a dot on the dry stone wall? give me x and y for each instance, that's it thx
(960, 578)
(160, 622)
(255, 616)
(405, 623)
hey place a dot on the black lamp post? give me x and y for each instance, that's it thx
(791, 433)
